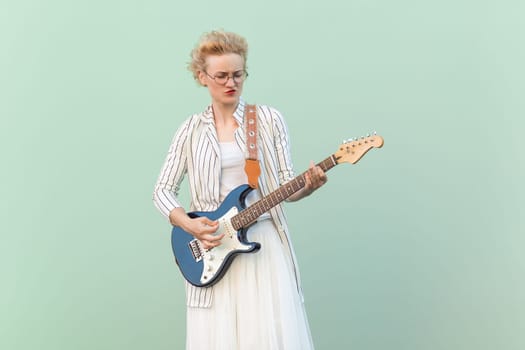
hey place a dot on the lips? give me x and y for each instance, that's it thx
(231, 92)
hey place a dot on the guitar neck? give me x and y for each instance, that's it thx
(250, 214)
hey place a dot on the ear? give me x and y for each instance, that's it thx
(202, 78)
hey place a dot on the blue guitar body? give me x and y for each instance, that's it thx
(202, 267)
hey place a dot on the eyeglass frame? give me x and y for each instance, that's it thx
(229, 76)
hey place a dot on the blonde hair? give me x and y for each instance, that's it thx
(217, 42)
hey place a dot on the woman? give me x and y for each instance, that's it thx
(258, 303)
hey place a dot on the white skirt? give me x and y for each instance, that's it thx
(256, 305)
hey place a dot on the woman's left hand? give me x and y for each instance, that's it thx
(315, 178)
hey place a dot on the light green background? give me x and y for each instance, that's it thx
(418, 246)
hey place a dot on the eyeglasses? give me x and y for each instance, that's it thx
(222, 78)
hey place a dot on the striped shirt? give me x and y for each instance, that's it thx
(195, 152)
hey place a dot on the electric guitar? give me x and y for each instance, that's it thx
(205, 267)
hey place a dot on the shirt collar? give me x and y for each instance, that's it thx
(238, 114)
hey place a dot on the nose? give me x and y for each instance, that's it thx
(230, 81)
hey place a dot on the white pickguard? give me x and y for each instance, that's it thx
(214, 258)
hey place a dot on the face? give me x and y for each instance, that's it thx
(217, 66)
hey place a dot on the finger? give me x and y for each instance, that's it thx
(324, 177)
(315, 177)
(208, 222)
(211, 241)
(321, 174)
(205, 225)
(212, 238)
(209, 229)
(308, 180)
(207, 245)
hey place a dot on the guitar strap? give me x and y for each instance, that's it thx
(251, 166)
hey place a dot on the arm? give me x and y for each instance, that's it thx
(172, 173)
(167, 188)
(315, 177)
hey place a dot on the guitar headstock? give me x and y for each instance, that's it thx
(350, 151)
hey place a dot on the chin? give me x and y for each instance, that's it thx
(230, 99)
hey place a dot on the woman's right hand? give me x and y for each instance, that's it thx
(201, 228)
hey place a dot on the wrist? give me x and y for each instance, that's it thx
(178, 217)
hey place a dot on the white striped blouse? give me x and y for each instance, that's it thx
(195, 152)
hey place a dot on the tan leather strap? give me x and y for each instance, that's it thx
(251, 166)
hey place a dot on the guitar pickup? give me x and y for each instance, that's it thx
(196, 250)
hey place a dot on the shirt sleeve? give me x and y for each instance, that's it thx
(282, 147)
(172, 173)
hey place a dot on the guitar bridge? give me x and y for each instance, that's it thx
(196, 249)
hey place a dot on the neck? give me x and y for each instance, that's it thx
(223, 114)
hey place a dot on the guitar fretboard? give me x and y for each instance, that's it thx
(250, 214)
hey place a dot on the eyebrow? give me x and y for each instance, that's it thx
(235, 71)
